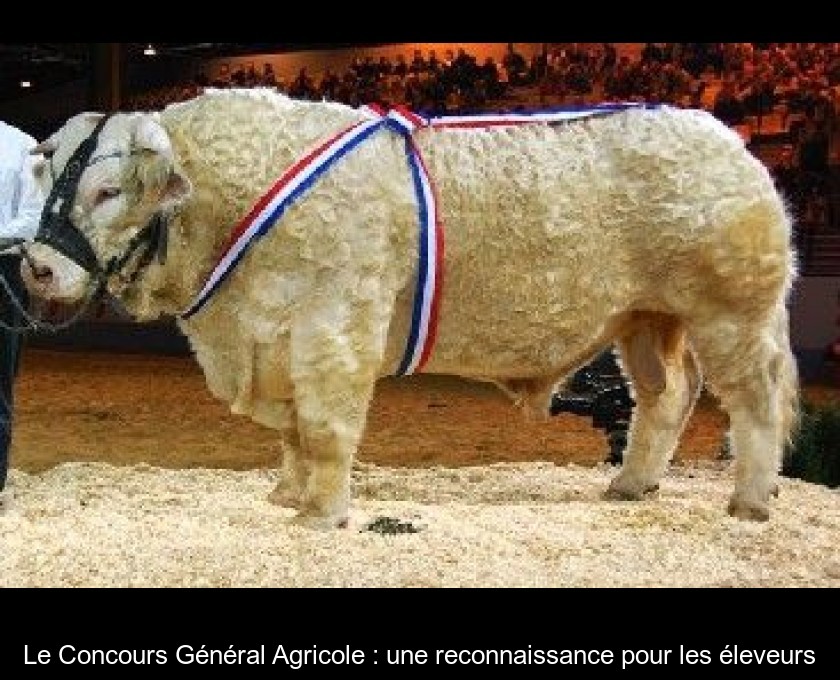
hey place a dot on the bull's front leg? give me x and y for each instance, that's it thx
(264, 392)
(336, 351)
(290, 489)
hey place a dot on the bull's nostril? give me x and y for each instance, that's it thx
(42, 273)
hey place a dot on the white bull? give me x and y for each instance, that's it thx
(655, 230)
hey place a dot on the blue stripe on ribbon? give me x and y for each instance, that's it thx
(417, 309)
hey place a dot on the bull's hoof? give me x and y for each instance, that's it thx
(285, 496)
(753, 511)
(612, 494)
(622, 489)
(319, 522)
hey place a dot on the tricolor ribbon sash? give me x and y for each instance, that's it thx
(302, 175)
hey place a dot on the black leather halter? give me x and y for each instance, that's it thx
(57, 230)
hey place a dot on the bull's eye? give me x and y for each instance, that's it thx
(106, 194)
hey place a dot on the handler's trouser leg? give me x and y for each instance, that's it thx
(10, 345)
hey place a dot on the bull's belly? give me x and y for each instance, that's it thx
(546, 351)
(525, 339)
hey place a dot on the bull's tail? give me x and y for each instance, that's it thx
(787, 376)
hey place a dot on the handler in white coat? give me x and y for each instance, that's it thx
(21, 203)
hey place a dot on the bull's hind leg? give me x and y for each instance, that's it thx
(666, 382)
(751, 369)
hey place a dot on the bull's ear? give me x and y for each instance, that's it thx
(176, 190)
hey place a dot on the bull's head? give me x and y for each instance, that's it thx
(111, 184)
